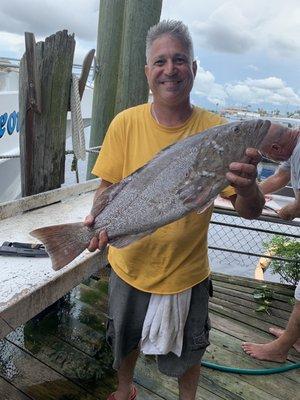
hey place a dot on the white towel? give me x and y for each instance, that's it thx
(164, 323)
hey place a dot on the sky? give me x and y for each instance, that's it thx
(248, 51)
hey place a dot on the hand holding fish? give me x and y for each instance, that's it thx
(249, 199)
(98, 241)
(242, 175)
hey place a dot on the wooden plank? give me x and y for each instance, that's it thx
(253, 283)
(91, 296)
(14, 207)
(244, 289)
(147, 375)
(146, 394)
(257, 316)
(237, 316)
(9, 392)
(244, 332)
(250, 305)
(95, 376)
(226, 350)
(35, 379)
(77, 334)
(236, 386)
(232, 292)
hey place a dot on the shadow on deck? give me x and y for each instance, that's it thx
(62, 353)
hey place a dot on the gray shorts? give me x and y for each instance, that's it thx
(127, 310)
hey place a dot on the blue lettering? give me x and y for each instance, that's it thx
(9, 123)
(18, 122)
(3, 119)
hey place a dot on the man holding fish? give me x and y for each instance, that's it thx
(167, 270)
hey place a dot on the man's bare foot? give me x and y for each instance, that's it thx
(268, 351)
(278, 332)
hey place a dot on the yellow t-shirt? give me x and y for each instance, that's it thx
(174, 257)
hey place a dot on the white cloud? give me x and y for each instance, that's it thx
(48, 16)
(241, 26)
(260, 37)
(205, 86)
(271, 90)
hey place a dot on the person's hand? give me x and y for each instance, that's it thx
(268, 197)
(242, 176)
(288, 212)
(98, 241)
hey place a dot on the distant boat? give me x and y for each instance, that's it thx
(10, 182)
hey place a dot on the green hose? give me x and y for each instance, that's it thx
(243, 371)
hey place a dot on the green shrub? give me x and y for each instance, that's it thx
(287, 248)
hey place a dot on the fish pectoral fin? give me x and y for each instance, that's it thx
(199, 201)
(201, 209)
(123, 241)
(106, 196)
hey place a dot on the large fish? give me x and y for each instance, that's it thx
(183, 177)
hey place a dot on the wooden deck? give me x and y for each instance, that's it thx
(62, 354)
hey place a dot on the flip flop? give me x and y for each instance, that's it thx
(133, 395)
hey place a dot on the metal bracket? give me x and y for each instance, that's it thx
(23, 249)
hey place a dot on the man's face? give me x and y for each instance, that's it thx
(169, 71)
(275, 145)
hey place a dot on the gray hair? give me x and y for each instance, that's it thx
(177, 29)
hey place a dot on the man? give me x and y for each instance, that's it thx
(285, 148)
(174, 258)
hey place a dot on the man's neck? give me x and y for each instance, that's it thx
(171, 115)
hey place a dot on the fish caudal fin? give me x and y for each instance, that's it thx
(62, 242)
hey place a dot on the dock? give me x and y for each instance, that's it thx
(52, 324)
(62, 354)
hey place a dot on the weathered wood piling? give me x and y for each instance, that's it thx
(44, 90)
(120, 81)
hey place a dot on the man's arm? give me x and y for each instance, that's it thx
(249, 199)
(275, 182)
(100, 241)
(292, 210)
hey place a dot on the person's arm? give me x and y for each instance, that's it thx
(275, 182)
(292, 210)
(98, 241)
(249, 199)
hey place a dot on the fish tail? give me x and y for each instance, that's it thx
(63, 242)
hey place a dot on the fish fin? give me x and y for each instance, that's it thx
(201, 209)
(62, 242)
(194, 197)
(123, 241)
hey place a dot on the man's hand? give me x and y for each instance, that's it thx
(288, 212)
(249, 200)
(98, 241)
(242, 176)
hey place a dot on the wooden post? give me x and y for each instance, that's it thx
(110, 27)
(43, 106)
(133, 88)
(121, 83)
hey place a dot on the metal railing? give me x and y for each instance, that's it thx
(236, 245)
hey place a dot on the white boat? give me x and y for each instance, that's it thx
(10, 182)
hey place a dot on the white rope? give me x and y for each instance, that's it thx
(78, 139)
